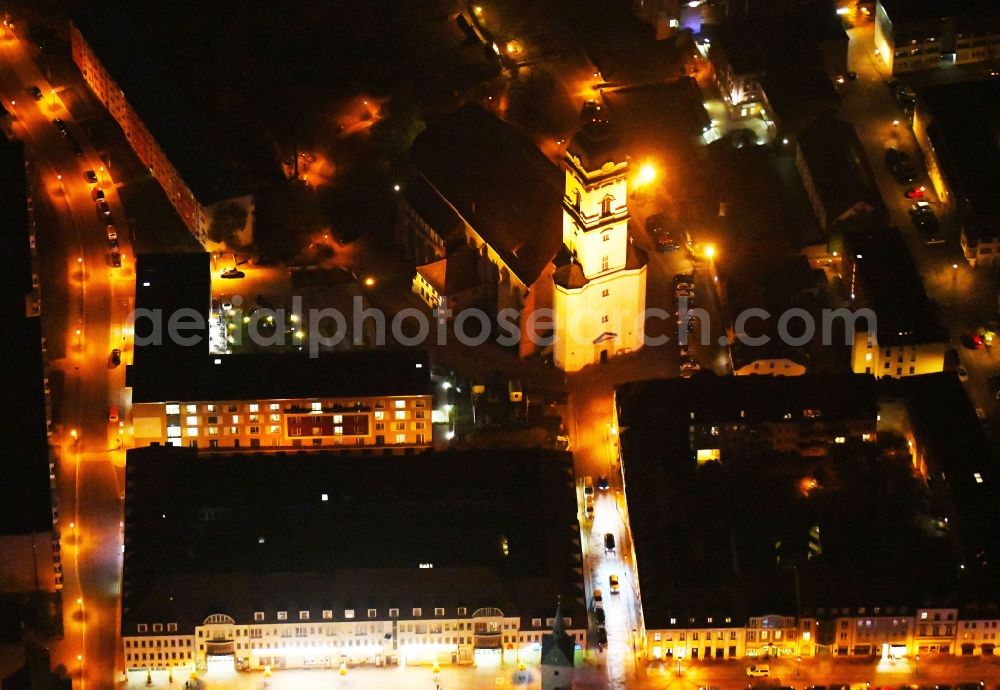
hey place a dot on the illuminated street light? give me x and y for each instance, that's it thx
(647, 173)
(369, 281)
(710, 252)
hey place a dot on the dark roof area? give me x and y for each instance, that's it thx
(642, 121)
(753, 399)
(25, 499)
(965, 129)
(431, 207)
(721, 538)
(799, 94)
(276, 376)
(237, 534)
(890, 285)
(454, 274)
(499, 182)
(168, 284)
(905, 11)
(955, 447)
(842, 176)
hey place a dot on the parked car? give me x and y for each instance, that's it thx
(61, 126)
(90, 176)
(113, 414)
(603, 484)
(115, 358)
(116, 259)
(613, 582)
(759, 671)
(915, 192)
(112, 235)
(97, 194)
(684, 281)
(35, 92)
(233, 273)
(598, 599)
(609, 542)
(600, 616)
(602, 636)
(588, 487)
(963, 374)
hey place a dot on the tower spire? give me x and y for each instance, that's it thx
(558, 626)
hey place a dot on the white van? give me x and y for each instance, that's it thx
(759, 671)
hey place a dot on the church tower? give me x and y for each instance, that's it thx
(558, 650)
(600, 278)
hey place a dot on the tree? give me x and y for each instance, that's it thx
(228, 220)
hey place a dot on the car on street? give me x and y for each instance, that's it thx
(35, 92)
(112, 235)
(759, 671)
(588, 487)
(900, 165)
(113, 414)
(115, 358)
(688, 364)
(598, 599)
(971, 341)
(600, 616)
(609, 542)
(924, 220)
(61, 126)
(90, 176)
(97, 194)
(963, 374)
(852, 76)
(103, 208)
(116, 259)
(915, 192)
(603, 484)
(113, 244)
(233, 273)
(589, 510)
(602, 637)
(683, 281)
(613, 582)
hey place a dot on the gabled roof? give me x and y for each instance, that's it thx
(500, 184)
(454, 274)
(842, 177)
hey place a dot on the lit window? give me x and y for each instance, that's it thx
(173, 431)
(234, 431)
(192, 431)
(236, 419)
(213, 431)
(978, 477)
(276, 418)
(273, 429)
(840, 439)
(254, 407)
(209, 408)
(173, 409)
(338, 431)
(191, 409)
(399, 404)
(349, 613)
(400, 438)
(438, 612)
(274, 407)
(327, 614)
(282, 615)
(372, 613)
(379, 415)
(303, 615)
(417, 613)
(338, 419)
(317, 407)
(400, 414)
(192, 420)
(258, 615)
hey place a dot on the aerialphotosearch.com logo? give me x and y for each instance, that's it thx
(320, 329)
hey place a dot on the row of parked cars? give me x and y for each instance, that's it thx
(921, 214)
(683, 284)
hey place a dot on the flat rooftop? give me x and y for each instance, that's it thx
(735, 538)
(890, 285)
(244, 533)
(168, 284)
(25, 498)
(280, 376)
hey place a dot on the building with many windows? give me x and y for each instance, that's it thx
(912, 35)
(351, 400)
(319, 561)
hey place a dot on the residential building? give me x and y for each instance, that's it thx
(691, 638)
(450, 284)
(319, 561)
(29, 546)
(935, 630)
(200, 148)
(836, 175)
(772, 635)
(352, 399)
(912, 35)
(706, 418)
(875, 634)
(955, 126)
(906, 338)
(977, 636)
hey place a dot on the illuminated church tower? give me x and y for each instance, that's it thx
(600, 279)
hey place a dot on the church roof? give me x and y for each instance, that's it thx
(499, 182)
(454, 274)
(558, 648)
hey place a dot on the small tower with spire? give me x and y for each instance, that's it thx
(558, 650)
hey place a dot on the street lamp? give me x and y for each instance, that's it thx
(647, 174)
(680, 657)
(798, 664)
(916, 665)
(635, 660)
